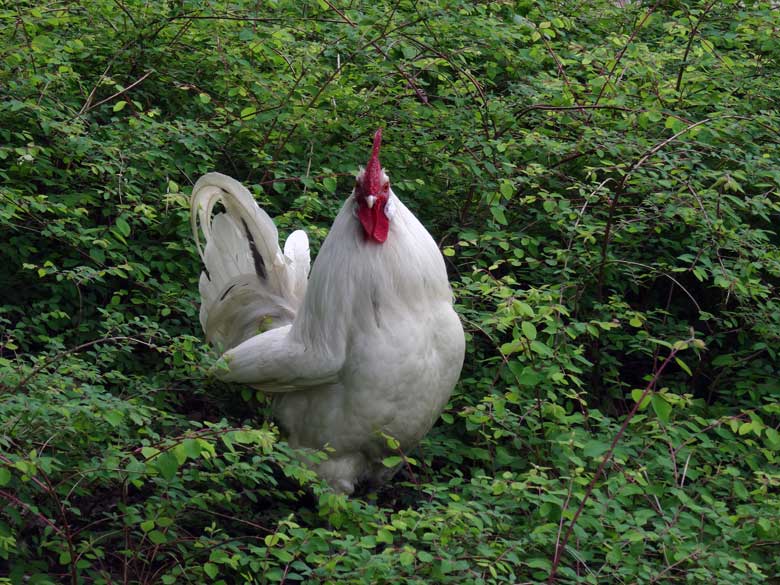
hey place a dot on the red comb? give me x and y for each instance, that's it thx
(374, 168)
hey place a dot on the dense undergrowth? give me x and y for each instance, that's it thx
(605, 184)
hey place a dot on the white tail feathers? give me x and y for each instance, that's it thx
(249, 285)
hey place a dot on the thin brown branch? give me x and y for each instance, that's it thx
(561, 71)
(567, 108)
(691, 38)
(607, 457)
(36, 370)
(374, 43)
(86, 107)
(622, 51)
(19, 503)
(621, 189)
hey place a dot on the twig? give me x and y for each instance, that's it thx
(562, 72)
(663, 143)
(582, 107)
(41, 517)
(685, 470)
(622, 51)
(621, 189)
(693, 555)
(420, 94)
(124, 9)
(563, 516)
(607, 457)
(574, 230)
(76, 349)
(694, 31)
(669, 276)
(28, 40)
(86, 108)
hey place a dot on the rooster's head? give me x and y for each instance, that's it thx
(372, 194)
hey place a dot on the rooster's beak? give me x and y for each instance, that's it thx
(370, 200)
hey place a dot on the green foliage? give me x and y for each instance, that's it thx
(604, 182)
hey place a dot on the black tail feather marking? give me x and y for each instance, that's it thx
(256, 256)
(227, 292)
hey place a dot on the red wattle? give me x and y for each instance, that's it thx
(374, 221)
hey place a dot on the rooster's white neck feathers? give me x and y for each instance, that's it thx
(373, 279)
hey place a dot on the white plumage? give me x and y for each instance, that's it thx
(368, 346)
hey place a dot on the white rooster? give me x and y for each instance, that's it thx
(367, 346)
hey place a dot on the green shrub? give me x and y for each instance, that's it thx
(604, 182)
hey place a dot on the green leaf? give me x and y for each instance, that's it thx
(424, 556)
(661, 407)
(178, 452)
(511, 347)
(114, 418)
(123, 226)
(248, 113)
(498, 214)
(772, 439)
(507, 189)
(385, 536)
(392, 442)
(168, 465)
(392, 461)
(210, 569)
(674, 124)
(526, 375)
(539, 563)
(683, 366)
(98, 255)
(636, 395)
(542, 349)
(42, 43)
(570, 220)
(191, 448)
(157, 537)
(594, 448)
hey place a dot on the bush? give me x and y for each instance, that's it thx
(603, 180)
